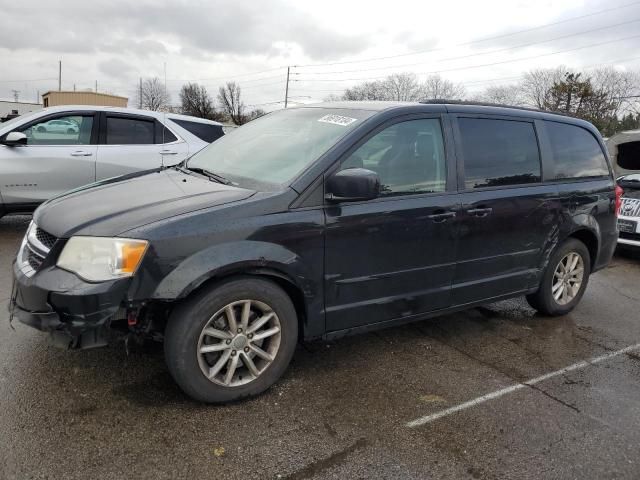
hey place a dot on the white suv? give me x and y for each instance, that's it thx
(45, 153)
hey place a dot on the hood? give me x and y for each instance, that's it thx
(630, 184)
(116, 205)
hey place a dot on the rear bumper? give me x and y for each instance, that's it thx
(76, 313)
(631, 239)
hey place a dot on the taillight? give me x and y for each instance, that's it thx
(619, 192)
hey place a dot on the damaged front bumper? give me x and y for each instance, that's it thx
(76, 313)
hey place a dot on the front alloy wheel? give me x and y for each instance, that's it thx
(231, 340)
(239, 342)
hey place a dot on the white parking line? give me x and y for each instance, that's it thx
(504, 391)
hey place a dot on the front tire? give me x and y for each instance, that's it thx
(564, 280)
(231, 341)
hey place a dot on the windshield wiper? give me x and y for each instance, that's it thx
(212, 176)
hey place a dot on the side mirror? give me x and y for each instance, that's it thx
(352, 185)
(13, 139)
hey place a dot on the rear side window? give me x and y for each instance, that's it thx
(129, 131)
(204, 131)
(576, 152)
(499, 152)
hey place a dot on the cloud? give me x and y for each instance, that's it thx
(142, 27)
(114, 67)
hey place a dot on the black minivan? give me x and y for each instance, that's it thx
(317, 222)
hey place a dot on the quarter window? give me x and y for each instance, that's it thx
(204, 131)
(498, 152)
(64, 130)
(129, 131)
(408, 157)
(576, 152)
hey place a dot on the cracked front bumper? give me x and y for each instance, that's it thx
(76, 313)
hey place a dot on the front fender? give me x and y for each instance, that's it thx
(226, 258)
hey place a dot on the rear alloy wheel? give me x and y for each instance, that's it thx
(567, 278)
(564, 280)
(231, 341)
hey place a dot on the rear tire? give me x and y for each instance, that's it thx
(248, 330)
(564, 280)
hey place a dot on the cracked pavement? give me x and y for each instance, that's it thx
(341, 409)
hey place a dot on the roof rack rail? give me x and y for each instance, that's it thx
(442, 101)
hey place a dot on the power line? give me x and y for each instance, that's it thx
(480, 65)
(524, 45)
(471, 42)
(226, 77)
(476, 82)
(30, 80)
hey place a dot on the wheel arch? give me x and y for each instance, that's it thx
(590, 240)
(254, 259)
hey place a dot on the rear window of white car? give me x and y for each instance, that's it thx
(204, 131)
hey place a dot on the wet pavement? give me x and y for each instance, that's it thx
(341, 410)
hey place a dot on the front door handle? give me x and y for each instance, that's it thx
(168, 152)
(480, 212)
(81, 153)
(441, 217)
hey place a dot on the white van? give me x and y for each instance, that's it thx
(624, 149)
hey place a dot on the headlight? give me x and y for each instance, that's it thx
(98, 259)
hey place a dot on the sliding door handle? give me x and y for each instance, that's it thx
(480, 212)
(441, 217)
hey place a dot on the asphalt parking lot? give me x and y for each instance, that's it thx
(494, 392)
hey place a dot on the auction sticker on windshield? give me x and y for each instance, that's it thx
(337, 120)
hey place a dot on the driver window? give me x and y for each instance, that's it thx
(408, 157)
(63, 130)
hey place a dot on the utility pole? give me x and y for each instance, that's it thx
(96, 86)
(59, 75)
(140, 94)
(74, 87)
(286, 91)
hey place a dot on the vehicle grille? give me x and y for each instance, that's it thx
(630, 236)
(35, 248)
(45, 238)
(630, 207)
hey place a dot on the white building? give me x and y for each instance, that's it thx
(17, 108)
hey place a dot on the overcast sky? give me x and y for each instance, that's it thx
(212, 41)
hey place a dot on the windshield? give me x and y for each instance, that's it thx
(275, 148)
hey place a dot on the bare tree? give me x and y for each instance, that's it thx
(536, 85)
(436, 87)
(196, 101)
(367, 91)
(332, 97)
(503, 95)
(255, 113)
(403, 87)
(152, 95)
(231, 103)
(620, 88)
